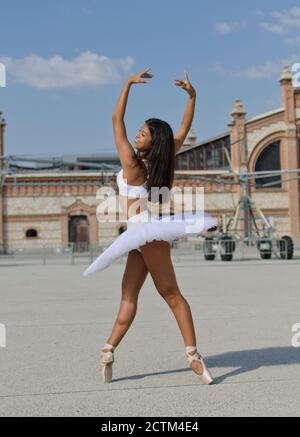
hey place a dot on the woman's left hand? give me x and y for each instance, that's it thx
(186, 85)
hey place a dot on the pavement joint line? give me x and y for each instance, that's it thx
(105, 323)
(136, 322)
(185, 263)
(147, 388)
(84, 323)
(233, 265)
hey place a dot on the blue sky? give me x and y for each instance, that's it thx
(67, 60)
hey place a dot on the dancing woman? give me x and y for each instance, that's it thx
(151, 166)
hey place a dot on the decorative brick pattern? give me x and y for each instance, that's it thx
(253, 138)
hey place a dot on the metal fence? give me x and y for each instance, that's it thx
(192, 250)
(41, 254)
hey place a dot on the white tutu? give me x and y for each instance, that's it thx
(141, 229)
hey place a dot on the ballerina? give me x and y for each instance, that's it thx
(147, 240)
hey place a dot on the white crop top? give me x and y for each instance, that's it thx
(130, 190)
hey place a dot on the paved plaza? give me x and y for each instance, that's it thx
(56, 322)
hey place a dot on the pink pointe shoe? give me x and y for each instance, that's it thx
(205, 376)
(106, 362)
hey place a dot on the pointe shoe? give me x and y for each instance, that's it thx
(205, 376)
(106, 362)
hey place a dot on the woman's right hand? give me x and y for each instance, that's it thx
(186, 85)
(136, 78)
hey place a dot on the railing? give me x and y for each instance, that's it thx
(42, 254)
(194, 250)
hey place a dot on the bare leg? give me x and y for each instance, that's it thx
(134, 276)
(157, 257)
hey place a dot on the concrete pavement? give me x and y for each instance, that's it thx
(56, 322)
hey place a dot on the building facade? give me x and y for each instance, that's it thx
(268, 142)
(57, 207)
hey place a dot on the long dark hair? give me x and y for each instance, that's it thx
(160, 157)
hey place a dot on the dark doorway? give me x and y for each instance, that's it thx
(79, 232)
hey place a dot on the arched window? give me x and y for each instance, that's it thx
(31, 233)
(269, 160)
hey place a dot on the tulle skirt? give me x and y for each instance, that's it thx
(142, 228)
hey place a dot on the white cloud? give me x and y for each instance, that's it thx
(270, 68)
(227, 27)
(274, 28)
(285, 21)
(87, 69)
(223, 27)
(220, 68)
(293, 40)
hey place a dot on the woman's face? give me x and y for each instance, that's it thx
(143, 138)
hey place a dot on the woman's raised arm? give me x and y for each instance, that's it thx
(125, 149)
(188, 116)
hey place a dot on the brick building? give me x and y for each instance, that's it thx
(57, 206)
